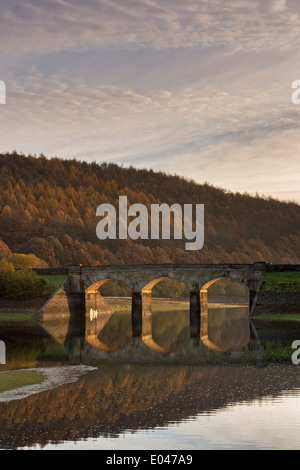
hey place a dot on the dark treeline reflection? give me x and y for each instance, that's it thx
(228, 328)
(117, 398)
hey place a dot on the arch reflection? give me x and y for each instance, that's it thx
(102, 330)
(222, 330)
(157, 326)
(225, 328)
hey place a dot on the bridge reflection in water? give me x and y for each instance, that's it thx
(80, 295)
(78, 314)
(226, 333)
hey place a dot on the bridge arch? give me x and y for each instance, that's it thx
(204, 330)
(149, 284)
(208, 284)
(96, 282)
(147, 315)
(98, 313)
(95, 285)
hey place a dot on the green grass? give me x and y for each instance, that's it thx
(53, 282)
(277, 352)
(15, 317)
(19, 378)
(54, 350)
(278, 317)
(281, 282)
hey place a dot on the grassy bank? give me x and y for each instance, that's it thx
(20, 310)
(19, 378)
(53, 282)
(13, 317)
(279, 297)
(279, 317)
(288, 281)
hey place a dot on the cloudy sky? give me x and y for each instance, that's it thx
(198, 88)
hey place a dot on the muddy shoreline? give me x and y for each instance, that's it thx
(55, 377)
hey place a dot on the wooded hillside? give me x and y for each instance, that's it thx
(48, 208)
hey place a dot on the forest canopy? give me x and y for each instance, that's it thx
(48, 209)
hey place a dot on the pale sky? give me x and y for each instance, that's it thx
(197, 88)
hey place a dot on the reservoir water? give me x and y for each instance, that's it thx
(234, 388)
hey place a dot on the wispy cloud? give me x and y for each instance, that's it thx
(54, 25)
(199, 88)
(121, 124)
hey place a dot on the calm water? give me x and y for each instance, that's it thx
(236, 388)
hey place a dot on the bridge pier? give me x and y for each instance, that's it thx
(137, 314)
(198, 313)
(141, 312)
(204, 313)
(95, 303)
(195, 314)
(252, 300)
(147, 314)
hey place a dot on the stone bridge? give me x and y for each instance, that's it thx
(80, 297)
